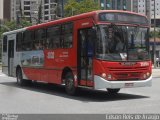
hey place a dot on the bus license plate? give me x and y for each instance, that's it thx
(129, 84)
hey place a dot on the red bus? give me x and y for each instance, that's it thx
(104, 49)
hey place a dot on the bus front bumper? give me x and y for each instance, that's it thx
(101, 83)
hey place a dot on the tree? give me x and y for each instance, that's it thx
(159, 33)
(151, 34)
(12, 25)
(72, 7)
(88, 5)
(24, 23)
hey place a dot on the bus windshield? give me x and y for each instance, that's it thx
(122, 43)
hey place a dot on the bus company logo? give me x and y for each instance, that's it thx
(143, 64)
(84, 24)
(128, 63)
(50, 55)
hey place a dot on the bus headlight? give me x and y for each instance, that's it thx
(148, 74)
(103, 75)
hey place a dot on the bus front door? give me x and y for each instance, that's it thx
(10, 57)
(85, 55)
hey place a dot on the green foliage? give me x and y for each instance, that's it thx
(159, 34)
(151, 34)
(72, 7)
(24, 23)
(12, 25)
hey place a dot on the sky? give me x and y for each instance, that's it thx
(1, 9)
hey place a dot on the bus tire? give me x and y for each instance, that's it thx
(69, 84)
(113, 91)
(20, 80)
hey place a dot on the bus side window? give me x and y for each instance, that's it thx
(19, 42)
(27, 40)
(48, 44)
(67, 32)
(5, 44)
(39, 42)
(53, 37)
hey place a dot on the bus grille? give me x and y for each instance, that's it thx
(128, 69)
(127, 76)
(122, 74)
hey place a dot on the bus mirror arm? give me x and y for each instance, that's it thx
(94, 25)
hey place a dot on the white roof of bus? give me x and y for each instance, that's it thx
(14, 31)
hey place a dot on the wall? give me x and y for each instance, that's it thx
(1, 9)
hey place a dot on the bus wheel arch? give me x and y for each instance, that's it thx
(64, 72)
(68, 80)
(18, 68)
(19, 75)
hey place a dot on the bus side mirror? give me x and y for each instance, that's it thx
(94, 28)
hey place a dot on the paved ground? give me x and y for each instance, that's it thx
(41, 98)
(156, 73)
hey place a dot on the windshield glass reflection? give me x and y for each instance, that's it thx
(119, 43)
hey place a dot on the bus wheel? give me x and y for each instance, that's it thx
(113, 91)
(20, 80)
(69, 84)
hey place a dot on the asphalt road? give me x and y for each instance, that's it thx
(48, 99)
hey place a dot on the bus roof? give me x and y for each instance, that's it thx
(72, 18)
(80, 16)
(14, 31)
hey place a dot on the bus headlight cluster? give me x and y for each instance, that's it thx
(106, 76)
(146, 75)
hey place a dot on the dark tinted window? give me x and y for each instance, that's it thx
(40, 34)
(26, 13)
(26, 7)
(28, 37)
(67, 35)
(46, 7)
(46, 18)
(46, 12)
(46, 1)
(40, 38)
(26, 2)
(5, 44)
(19, 42)
(53, 37)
